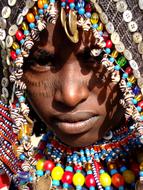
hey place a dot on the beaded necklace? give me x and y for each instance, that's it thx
(100, 166)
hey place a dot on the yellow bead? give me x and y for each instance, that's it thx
(78, 179)
(112, 166)
(24, 26)
(30, 17)
(45, 1)
(20, 134)
(40, 164)
(141, 166)
(57, 173)
(35, 10)
(100, 27)
(129, 176)
(132, 79)
(114, 54)
(105, 180)
(94, 18)
(138, 97)
(15, 45)
(88, 167)
(40, 4)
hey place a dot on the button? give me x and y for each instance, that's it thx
(103, 18)
(4, 82)
(2, 44)
(6, 11)
(3, 23)
(25, 11)
(115, 38)
(109, 27)
(19, 19)
(140, 47)
(12, 30)
(127, 16)
(30, 4)
(133, 64)
(9, 41)
(121, 6)
(2, 34)
(128, 54)
(141, 4)
(132, 26)
(120, 47)
(5, 92)
(97, 7)
(137, 37)
(136, 74)
(11, 2)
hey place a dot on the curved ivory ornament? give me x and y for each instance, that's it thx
(141, 4)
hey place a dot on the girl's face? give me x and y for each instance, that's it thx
(69, 89)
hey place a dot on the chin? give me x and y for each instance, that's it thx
(77, 140)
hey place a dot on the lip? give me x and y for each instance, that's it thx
(75, 123)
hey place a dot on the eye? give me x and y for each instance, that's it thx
(41, 61)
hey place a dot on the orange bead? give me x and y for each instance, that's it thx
(30, 17)
(40, 4)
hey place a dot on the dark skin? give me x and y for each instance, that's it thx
(71, 92)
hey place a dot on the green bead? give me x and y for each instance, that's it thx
(122, 61)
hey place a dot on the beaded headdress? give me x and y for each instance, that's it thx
(118, 31)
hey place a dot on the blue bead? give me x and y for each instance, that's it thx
(30, 178)
(65, 185)
(45, 6)
(123, 168)
(95, 26)
(18, 51)
(107, 50)
(32, 25)
(92, 188)
(136, 90)
(113, 171)
(69, 168)
(41, 11)
(102, 171)
(26, 32)
(21, 99)
(88, 14)
(141, 117)
(22, 156)
(72, 5)
(117, 67)
(78, 187)
(81, 11)
(36, 17)
(129, 84)
(55, 182)
(121, 188)
(108, 188)
(39, 172)
(112, 59)
(134, 101)
(141, 173)
(52, 1)
(139, 108)
(125, 75)
(63, 4)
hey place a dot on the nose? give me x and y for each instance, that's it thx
(72, 88)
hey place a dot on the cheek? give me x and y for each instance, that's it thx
(40, 92)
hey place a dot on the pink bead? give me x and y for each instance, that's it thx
(90, 181)
(49, 165)
(141, 104)
(19, 35)
(108, 44)
(67, 177)
(13, 55)
(128, 70)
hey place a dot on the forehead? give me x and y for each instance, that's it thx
(54, 38)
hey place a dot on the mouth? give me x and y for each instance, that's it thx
(75, 123)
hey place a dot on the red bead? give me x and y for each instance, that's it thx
(19, 35)
(117, 180)
(77, 168)
(67, 9)
(38, 156)
(67, 177)
(90, 181)
(128, 70)
(42, 145)
(88, 8)
(70, 1)
(48, 165)
(135, 168)
(141, 104)
(13, 55)
(108, 44)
